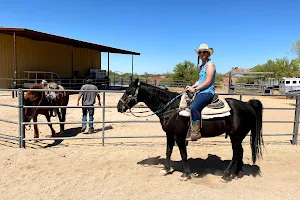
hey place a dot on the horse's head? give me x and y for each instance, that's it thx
(32, 98)
(130, 97)
(60, 94)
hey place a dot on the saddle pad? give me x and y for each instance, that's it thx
(212, 111)
(216, 115)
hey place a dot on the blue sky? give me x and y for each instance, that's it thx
(242, 33)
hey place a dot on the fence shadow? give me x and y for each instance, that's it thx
(73, 132)
(211, 165)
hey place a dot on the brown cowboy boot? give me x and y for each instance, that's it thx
(195, 132)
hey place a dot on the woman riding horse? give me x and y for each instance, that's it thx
(204, 88)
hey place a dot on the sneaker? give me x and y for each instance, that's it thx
(184, 113)
(91, 131)
(83, 129)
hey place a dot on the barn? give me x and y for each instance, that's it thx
(24, 50)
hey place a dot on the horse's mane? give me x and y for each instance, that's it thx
(159, 93)
(36, 86)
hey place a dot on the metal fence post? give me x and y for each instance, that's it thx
(21, 129)
(103, 118)
(296, 121)
(13, 87)
(241, 97)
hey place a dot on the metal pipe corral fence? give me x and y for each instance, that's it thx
(21, 130)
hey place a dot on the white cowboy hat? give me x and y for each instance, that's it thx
(204, 47)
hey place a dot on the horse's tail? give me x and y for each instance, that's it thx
(256, 139)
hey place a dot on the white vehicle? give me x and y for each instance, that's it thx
(38, 76)
(289, 84)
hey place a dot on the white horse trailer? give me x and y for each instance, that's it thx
(289, 84)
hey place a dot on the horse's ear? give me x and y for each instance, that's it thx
(137, 80)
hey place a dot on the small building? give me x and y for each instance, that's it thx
(28, 50)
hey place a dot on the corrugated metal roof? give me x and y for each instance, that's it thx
(40, 36)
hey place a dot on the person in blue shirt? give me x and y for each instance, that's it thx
(204, 89)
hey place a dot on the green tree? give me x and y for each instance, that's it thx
(296, 48)
(219, 80)
(282, 67)
(185, 71)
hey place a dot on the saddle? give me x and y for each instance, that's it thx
(218, 107)
(53, 85)
(52, 95)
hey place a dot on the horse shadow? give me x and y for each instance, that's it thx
(202, 167)
(73, 132)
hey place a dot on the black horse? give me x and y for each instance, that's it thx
(244, 117)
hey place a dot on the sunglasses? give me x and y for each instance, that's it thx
(202, 52)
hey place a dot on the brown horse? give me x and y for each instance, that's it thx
(38, 98)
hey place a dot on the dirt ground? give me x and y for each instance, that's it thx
(129, 168)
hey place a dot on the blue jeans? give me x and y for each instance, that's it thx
(91, 117)
(200, 101)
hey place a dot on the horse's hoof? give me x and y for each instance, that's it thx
(239, 175)
(165, 172)
(226, 179)
(184, 177)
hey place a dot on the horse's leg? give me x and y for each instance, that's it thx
(180, 140)
(237, 157)
(36, 130)
(47, 115)
(170, 144)
(60, 119)
(63, 117)
(227, 171)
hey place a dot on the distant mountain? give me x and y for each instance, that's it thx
(236, 69)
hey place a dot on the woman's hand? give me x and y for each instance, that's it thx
(191, 89)
(188, 87)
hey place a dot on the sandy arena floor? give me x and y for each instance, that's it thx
(129, 168)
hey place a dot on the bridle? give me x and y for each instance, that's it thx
(130, 97)
(134, 97)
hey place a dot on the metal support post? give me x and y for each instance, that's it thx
(103, 118)
(296, 121)
(21, 126)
